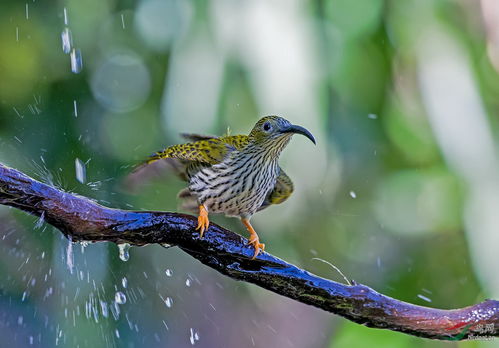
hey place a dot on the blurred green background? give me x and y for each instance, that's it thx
(401, 192)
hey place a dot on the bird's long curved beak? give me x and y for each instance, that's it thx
(298, 130)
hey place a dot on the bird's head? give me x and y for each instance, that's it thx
(274, 133)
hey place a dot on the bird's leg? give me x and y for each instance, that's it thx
(253, 239)
(203, 221)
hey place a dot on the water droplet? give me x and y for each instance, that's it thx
(194, 336)
(168, 302)
(353, 194)
(67, 40)
(83, 245)
(80, 169)
(124, 282)
(40, 221)
(123, 21)
(75, 108)
(76, 60)
(124, 254)
(120, 298)
(424, 298)
(104, 309)
(187, 282)
(117, 333)
(168, 272)
(65, 16)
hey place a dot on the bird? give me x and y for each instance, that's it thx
(236, 175)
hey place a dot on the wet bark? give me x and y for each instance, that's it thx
(84, 220)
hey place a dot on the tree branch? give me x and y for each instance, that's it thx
(84, 220)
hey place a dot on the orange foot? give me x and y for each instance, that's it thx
(253, 239)
(203, 221)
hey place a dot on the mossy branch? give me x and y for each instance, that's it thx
(84, 220)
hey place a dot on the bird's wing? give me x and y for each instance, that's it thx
(208, 150)
(282, 190)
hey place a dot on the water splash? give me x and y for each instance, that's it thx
(124, 251)
(187, 282)
(168, 272)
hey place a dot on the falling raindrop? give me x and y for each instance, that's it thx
(424, 298)
(372, 116)
(120, 298)
(65, 16)
(124, 251)
(124, 282)
(75, 108)
(168, 272)
(353, 194)
(187, 282)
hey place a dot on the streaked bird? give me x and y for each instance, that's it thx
(236, 175)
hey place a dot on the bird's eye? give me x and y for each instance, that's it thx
(267, 126)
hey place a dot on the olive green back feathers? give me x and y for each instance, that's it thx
(213, 150)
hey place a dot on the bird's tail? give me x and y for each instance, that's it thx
(151, 159)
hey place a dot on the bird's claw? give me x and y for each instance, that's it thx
(255, 241)
(203, 221)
